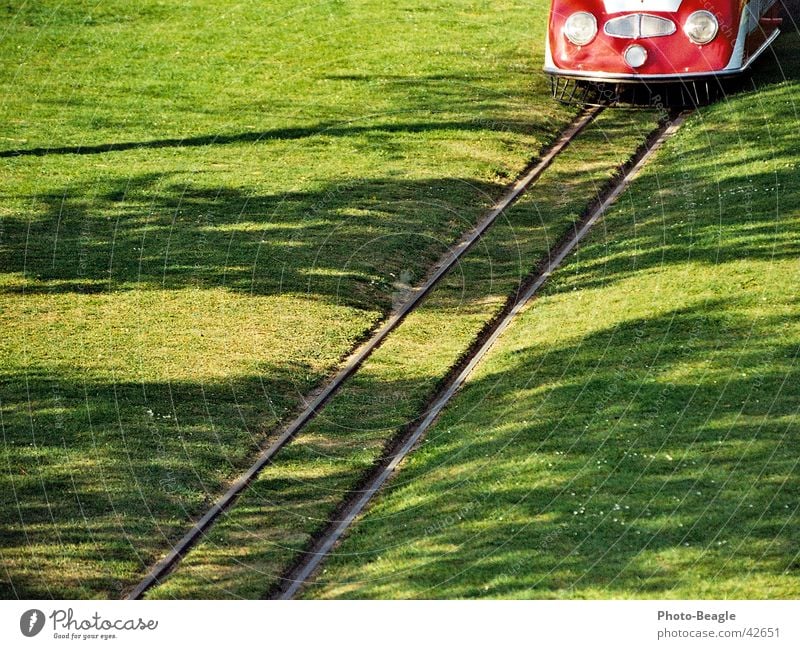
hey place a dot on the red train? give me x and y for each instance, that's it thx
(657, 41)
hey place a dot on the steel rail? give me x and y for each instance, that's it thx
(336, 530)
(449, 260)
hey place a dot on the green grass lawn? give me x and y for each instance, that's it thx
(203, 207)
(254, 543)
(635, 433)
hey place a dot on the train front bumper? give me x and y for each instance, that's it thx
(729, 70)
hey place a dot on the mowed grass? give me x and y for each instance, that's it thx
(253, 545)
(635, 433)
(203, 207)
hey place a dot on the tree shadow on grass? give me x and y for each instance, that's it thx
(322, 129)
(101, 477)
(779, 63)
(579, 471)
(347, 243)
(710, 201)
(443, 100)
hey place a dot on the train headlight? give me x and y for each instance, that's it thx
(581, 28)
(636, 56)
(701, 27)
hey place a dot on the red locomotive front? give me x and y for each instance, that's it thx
(657, 40)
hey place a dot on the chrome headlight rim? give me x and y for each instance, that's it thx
(635, 47)
(697, 14)
(577, 40)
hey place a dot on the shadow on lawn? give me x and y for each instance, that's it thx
(327, 129)
(101, 477)
(349, 242)
(178, 442)
(781, 62)
(426, 95)
(713, 201)
(604, 479)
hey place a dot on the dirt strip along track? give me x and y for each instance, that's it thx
(318, 400)
(297, 577)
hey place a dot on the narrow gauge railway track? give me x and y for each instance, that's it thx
(319, 399)
(310, 562)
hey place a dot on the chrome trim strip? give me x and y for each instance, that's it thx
(737, 56)
(632, 78)
(761, 49)
(749, 23)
